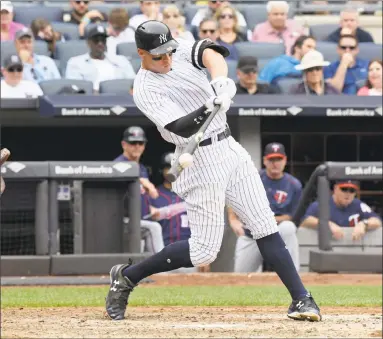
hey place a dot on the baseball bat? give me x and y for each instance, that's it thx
(190, 148)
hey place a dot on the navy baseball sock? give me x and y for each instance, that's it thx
(171, 257)
(274, 251)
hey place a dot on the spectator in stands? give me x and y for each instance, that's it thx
(209, 12)
(7, 25)
(119, 30)
(12, 86)
(43, 30)
(229, 32)
(247, 71)
(133, 145)
(313, 81)
(284, 65)
(374, 81)
(283, 192)
(345, 211)
(208, 29)
(82, 16)
(97, 65)
(349, 25)
(346, 73)
(278, 28)
(150, 11)
(176, 22)
(36, 67)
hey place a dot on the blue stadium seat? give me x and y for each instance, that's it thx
(232, 67)
(66, 50)
(329, 50)
(118, 86)
(136, 63)
(8, 47)
(55, 85)
(132, 9)
(285, 84)
(190, 11)
(261, 50)
(127, 49)
(26, 15)
(321, 32)
(68, 28)
(261, 63)
(369, 51)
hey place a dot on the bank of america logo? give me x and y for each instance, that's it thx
(294, 110)
(16, 167)
(122, 167)
(379, 110)
(118, 110)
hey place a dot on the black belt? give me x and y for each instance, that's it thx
(223, 135)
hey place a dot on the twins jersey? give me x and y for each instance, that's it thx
(346, 217)
(177, 227)
(164, 98)
(145, 199)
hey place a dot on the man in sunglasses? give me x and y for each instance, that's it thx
(97, 65)
(346, 73)
(12, 86)
(313, 82)
(345, 211)
(133, 145)
(208, 29)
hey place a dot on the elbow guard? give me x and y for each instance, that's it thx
(189, 124)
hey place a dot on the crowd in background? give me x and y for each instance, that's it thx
(300, 70)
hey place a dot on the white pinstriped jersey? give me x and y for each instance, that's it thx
(164, 98)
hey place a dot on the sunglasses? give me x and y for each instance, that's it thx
(135, 143)
(317, 68)
(175, 16)
(348, 189)
(84, 2)
(18, 69)
(159, 58)
(351, 48)
(205, 31)
(228, 16)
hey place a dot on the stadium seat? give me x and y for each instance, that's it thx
(261, 63)
(127, 49)
(136, 63)
(68, 28)
(285, 84)
(369, 51)
(321, 32)
(132, 9)
(8, 47)
(55, 85)
(261, 50)
(329, 50)
(118, 86)
(66, 50)
(26, 15)
(190, 11)
(232, 67)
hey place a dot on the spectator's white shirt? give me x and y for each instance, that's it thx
(105, 71)
(125, 36)
(25, 89)
(138, 19)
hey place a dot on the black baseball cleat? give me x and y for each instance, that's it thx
(119, 291)
(304, 308)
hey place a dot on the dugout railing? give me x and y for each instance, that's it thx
(324, 259)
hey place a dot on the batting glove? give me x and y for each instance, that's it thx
(224, 85)
(223, 100)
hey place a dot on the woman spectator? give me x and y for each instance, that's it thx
(43, 30)
(229, 32)
(119, 30)
(8, 26)
(176, 22)
(374, 81)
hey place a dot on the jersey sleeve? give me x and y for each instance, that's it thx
(296, 197)
(366, 211)
(312, 211)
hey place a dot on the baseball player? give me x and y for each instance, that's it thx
(345, 211)
(4, 155)
(173, 91)
(283, 192)
(133, 145)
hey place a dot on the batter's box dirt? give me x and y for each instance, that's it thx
(189, 322)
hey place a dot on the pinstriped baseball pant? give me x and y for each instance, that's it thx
(222, 174)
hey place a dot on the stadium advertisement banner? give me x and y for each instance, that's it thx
(355, 170)
(25, 170)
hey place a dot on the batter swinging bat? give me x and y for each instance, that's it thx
(190, 148)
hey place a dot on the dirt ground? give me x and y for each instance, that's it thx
(201, 322)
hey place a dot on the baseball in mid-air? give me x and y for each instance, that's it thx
(185, 160)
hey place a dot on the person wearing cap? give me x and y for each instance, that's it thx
(12, 86)
(283, 192)
(346, 210)
(247, 72)
(7, 25)
(150, 10)
(97, 65)
(313, 81)
(133, 144)
(36, 67)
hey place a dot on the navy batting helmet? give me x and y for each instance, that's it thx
(134, 133)
(155, 37)
(166, 159)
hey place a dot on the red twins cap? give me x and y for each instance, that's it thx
(274, 150)
(348, 184)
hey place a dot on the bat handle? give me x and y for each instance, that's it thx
(172, 175)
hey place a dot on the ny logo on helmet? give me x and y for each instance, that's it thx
(163, 38)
